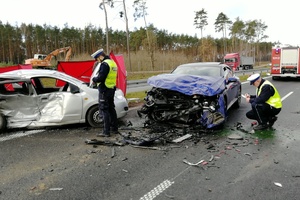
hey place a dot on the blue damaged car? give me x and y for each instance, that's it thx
(195, 94)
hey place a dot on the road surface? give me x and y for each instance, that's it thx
(58, 164)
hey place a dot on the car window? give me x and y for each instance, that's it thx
(230, 60)
(198, 70)
(48, 84)
(13, 88)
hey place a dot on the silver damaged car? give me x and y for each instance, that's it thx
(34, 98)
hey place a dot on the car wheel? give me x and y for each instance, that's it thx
(237, 104)
(3, 123)
(93, 117)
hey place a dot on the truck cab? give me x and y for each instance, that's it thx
(236, 61)
(233, 61)
(39, 56)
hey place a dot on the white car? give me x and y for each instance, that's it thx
(34, 98)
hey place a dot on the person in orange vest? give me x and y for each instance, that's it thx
(265, 104)
(105, 79)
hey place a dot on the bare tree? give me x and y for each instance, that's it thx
(124, 12)
(127, 33)
(103, 7)
(140, 11)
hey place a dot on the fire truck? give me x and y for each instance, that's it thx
(285, 62)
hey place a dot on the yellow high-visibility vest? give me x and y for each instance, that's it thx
(274, 100)
(111, 79)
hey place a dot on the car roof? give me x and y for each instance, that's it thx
(201, 69)
(28, 73)
(199, 64)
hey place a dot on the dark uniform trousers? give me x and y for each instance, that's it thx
(107, 107)
(262, 112)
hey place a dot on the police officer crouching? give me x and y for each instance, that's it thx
(266, 104)
(105, 78)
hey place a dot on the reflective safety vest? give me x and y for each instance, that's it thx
(111, 79)
(274, 100)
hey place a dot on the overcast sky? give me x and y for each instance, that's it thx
(174, 16)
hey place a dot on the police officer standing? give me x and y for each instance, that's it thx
(104, 76)
(266, 104)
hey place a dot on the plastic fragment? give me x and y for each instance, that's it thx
(55, 189)
(278, 184)
(193, 164)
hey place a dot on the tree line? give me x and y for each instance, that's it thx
(18, 43)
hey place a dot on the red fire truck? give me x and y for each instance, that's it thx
(285, 62)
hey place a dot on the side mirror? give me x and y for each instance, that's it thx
(74, 89)
(231, 80)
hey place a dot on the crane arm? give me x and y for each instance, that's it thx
(58, 51)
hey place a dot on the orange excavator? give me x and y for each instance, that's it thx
(44, 61)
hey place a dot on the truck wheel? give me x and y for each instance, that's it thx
(3, 123)
(93, 117)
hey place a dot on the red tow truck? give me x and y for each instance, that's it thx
(285, 62)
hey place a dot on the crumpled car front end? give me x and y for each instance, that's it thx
(185, 99)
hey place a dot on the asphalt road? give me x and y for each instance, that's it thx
(58, 164)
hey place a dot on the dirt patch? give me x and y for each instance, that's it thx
(132, 104)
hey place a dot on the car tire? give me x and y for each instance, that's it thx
(93, 117)
(3, 123)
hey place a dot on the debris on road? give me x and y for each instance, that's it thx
(193, 164)
(235, 136)
(103, 142)
(56, 189)
(152, 148)
(112, 152)
(248, 154)
(187, 136)
(278, 184)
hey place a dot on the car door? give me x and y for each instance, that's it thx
(231, 86)
(58, 104)
(18, 103)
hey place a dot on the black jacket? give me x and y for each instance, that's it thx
(102, 74)
(266, 92)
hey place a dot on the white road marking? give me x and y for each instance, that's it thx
(157, 190)
(19, 134)
(286, 96)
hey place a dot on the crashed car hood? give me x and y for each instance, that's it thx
(189, 84)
